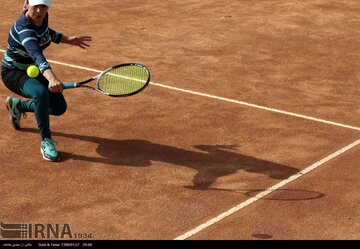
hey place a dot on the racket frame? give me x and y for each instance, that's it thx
(97, 77)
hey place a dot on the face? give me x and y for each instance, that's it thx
(37, 13)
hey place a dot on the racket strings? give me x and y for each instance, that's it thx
(123, 80)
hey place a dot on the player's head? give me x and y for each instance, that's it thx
(37, 10)
(40, 2)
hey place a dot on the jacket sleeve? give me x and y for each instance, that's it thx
(29, 40)
(55, 36)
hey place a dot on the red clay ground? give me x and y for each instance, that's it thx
(158, 164)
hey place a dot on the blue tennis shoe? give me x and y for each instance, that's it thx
(14, 113)
(48, 150)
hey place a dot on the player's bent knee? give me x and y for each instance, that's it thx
(60, 109)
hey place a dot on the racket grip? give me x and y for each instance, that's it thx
(70, 85)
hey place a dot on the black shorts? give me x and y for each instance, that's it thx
(14, 79)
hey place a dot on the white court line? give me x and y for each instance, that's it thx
(265, 192)
(223, 99)
(259, 107)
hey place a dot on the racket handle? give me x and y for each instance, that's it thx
(70, 85)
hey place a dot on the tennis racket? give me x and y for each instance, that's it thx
(118, 81)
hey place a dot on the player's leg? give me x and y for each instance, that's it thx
(13, 80)
(57, 105)
(40, 106)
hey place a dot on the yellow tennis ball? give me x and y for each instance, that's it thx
(32, 71)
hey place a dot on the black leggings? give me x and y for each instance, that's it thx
(43, 102)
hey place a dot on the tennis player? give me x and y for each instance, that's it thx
(28, 37)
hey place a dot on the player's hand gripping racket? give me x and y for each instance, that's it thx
(118, 81)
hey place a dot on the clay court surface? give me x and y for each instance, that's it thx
(247, 98)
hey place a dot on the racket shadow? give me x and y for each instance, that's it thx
(284, 194)
(209, 161)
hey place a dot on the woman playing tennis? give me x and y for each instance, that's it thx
(28, 37)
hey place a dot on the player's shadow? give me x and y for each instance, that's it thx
(210, 161)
